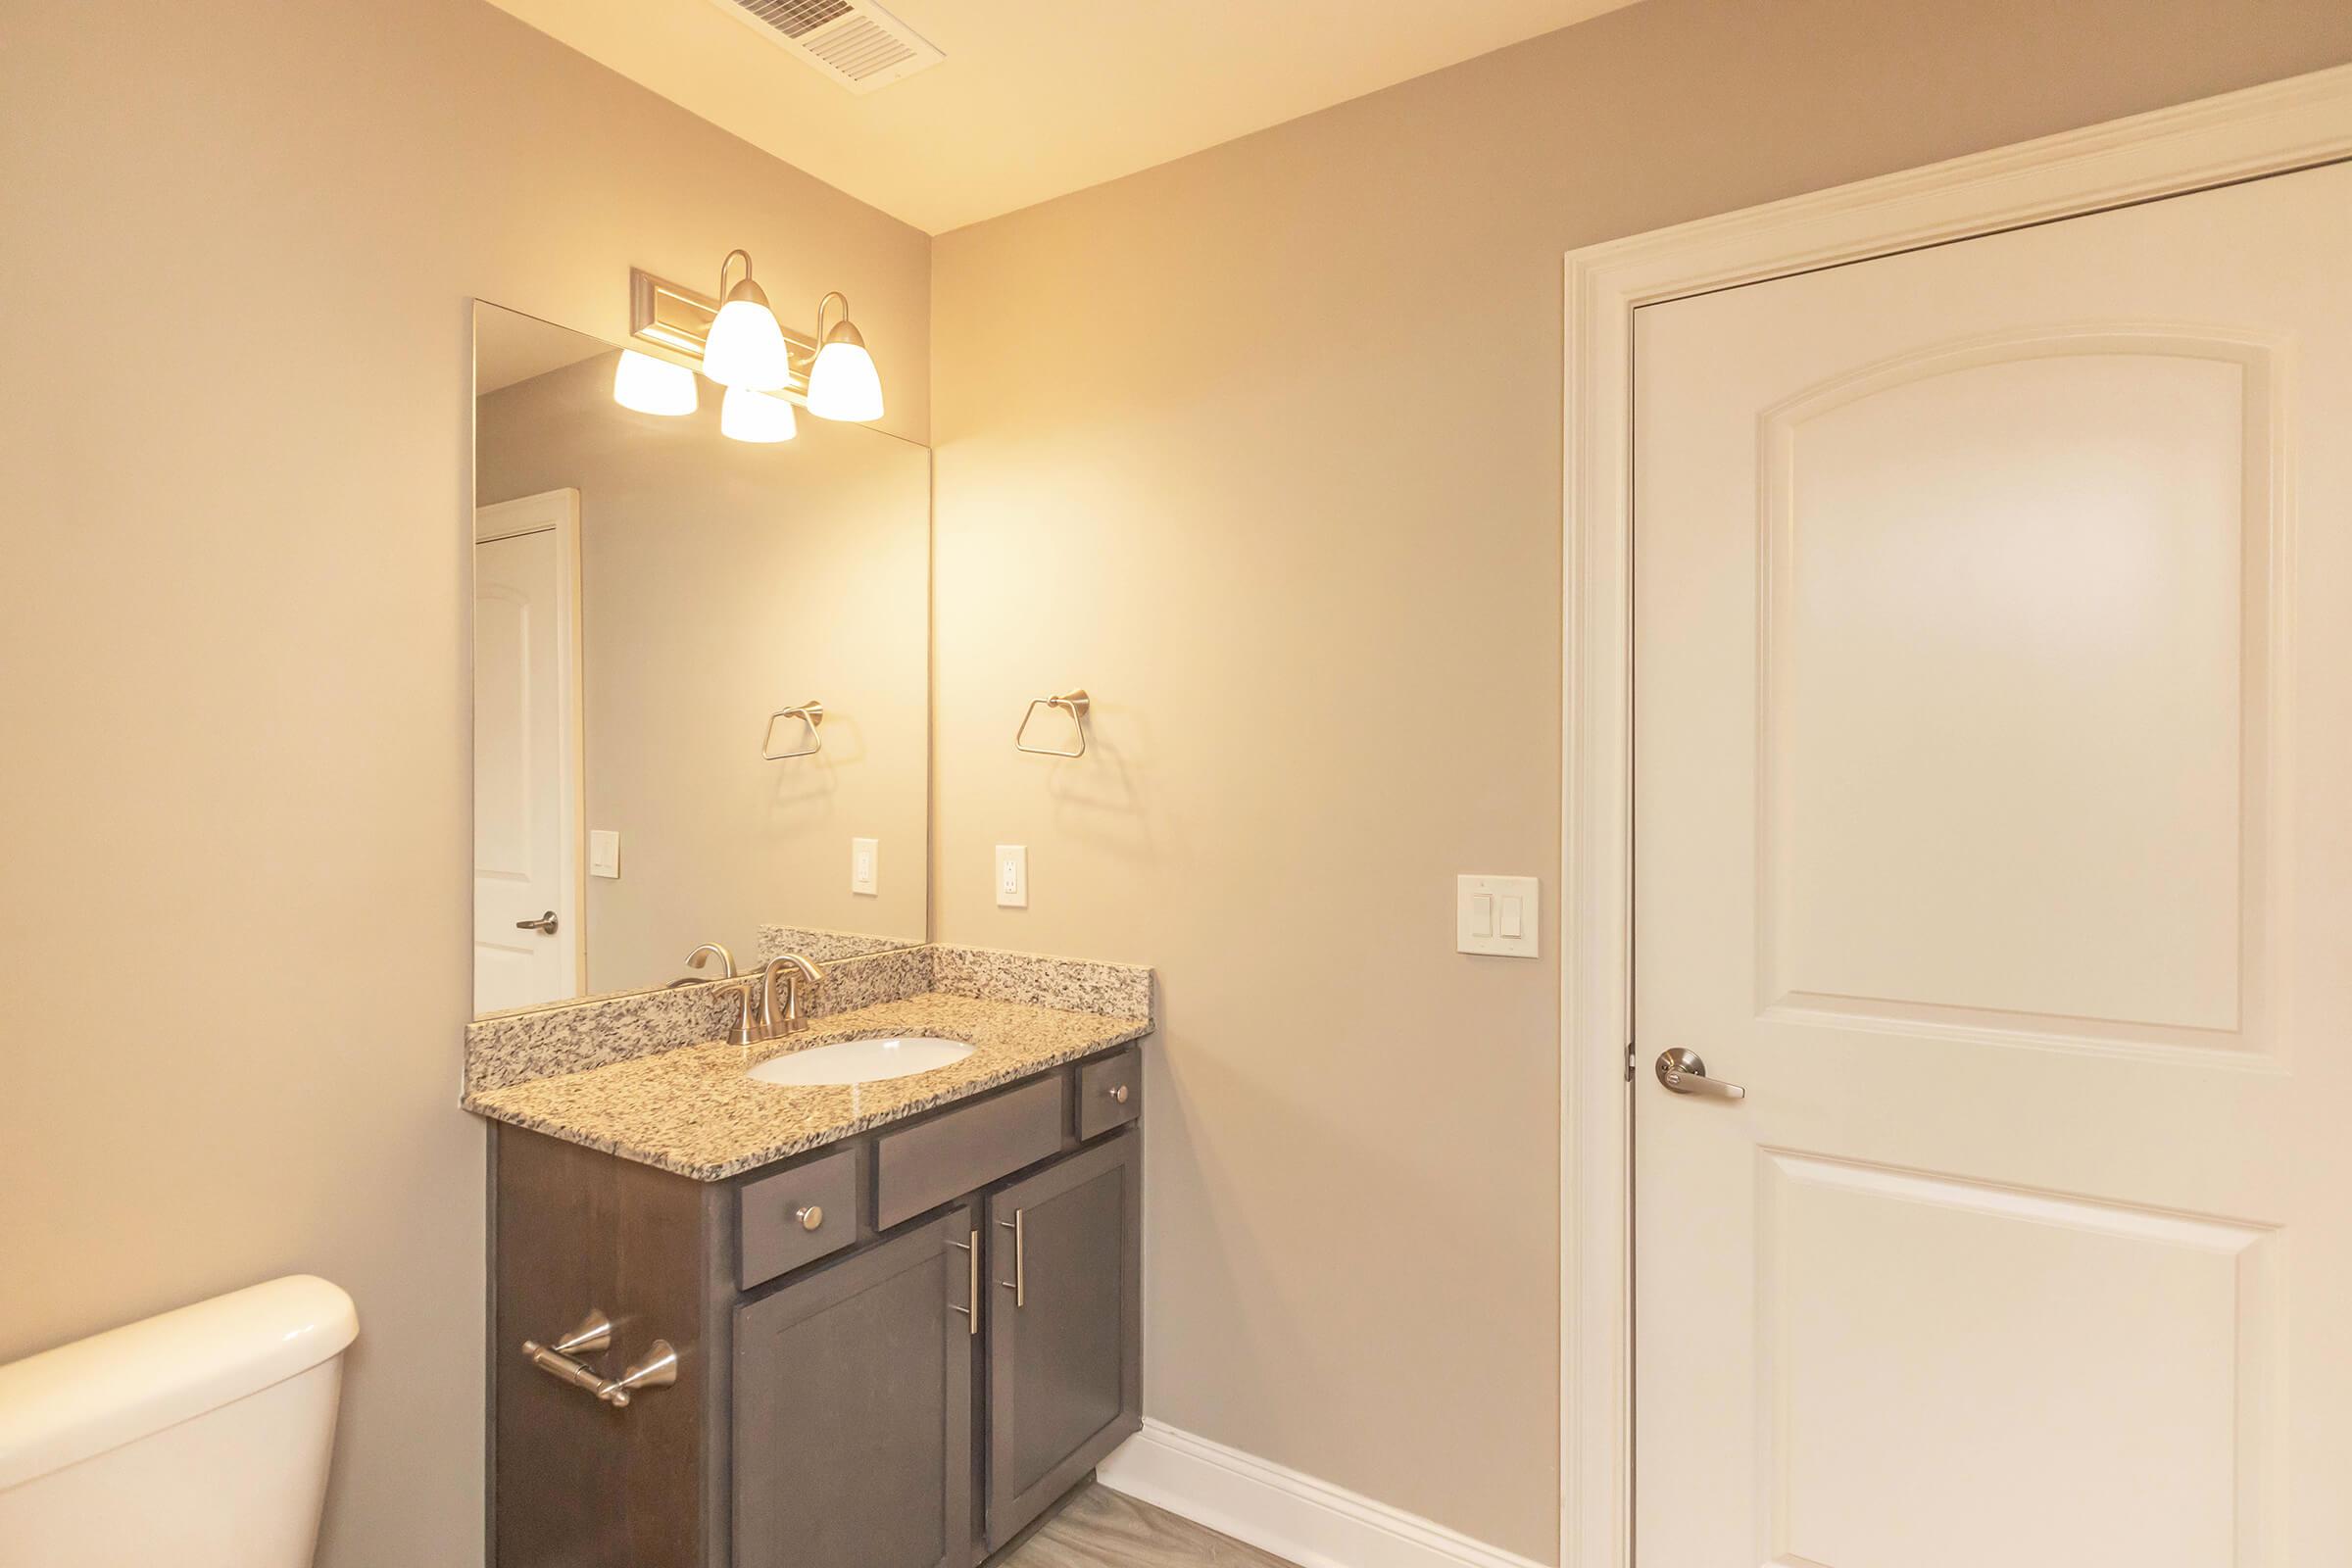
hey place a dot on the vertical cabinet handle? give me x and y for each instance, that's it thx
(971, 1283)
(1018, 1285)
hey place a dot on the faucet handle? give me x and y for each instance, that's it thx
(748, 1030)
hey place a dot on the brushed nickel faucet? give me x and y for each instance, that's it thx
(747, 1028)
(797, 971)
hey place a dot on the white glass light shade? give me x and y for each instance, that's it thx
(745, 346)
(844, 384)
(748, 416)
(653, 386)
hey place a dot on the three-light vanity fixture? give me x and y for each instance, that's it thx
(745, 349)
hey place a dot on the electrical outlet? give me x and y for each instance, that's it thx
(865, 866)
(1012, 876)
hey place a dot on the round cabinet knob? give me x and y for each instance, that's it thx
(810, 1217)
(1118, 1093)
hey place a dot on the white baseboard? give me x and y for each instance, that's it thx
(1312, 1523)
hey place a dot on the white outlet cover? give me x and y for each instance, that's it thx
(865, 866)
(1012, 876)
(1511, 901)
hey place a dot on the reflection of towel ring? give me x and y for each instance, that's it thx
(1077, 703)
(811, 713)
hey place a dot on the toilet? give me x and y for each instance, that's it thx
(199, 1437)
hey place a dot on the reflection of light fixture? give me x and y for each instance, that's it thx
(745, 346)
(653, 386)
(748, 416)
(843, 384)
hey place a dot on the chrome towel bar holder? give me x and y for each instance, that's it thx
(1074, 703)
(811, 714)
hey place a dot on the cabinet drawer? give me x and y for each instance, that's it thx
(798, 1217)
(964, 1149)
(1110, 1093)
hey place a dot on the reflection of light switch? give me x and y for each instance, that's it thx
(1012, 876)
(604, 852)
(864, 870)
(1496, 914)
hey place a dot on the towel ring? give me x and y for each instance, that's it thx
(1075, 702)
(811, 713)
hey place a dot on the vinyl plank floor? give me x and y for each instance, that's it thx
(1100, 1528)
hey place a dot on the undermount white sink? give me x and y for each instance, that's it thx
(861, 1061)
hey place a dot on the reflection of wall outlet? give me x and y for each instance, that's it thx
(1012, 876)
(865, 873)
(604, 852)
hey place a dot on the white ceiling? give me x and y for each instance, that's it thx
(1037, 97)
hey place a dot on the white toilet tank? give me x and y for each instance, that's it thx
(198, 1438)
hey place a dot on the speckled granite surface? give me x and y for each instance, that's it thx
(1121, 989)
(513, 1047)
(693, 1111)
(825, 947)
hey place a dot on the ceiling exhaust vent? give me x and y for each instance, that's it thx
(855, 42)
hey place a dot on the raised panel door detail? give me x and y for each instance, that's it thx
(1990, 826)
(1064, 1381)
(852, 1412)
(2012, 684)
(2097, 1368)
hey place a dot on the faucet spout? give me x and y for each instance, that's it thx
(695, 959)
(797, 971)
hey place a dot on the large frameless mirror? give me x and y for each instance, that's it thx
(700, 674)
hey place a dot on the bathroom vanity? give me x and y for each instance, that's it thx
(895, 1345)
(746, 1311)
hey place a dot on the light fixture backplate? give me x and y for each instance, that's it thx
(670, 316)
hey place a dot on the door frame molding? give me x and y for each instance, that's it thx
(2270, 129)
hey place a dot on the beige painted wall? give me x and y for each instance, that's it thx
(239, 246)
(720, 581)
(1263, 448)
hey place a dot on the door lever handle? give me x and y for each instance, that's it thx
(1686, 1074)
(545, 923)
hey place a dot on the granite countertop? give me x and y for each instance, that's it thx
(692, 1110)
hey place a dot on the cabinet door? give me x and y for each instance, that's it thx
(853, 1411)
(1064, 1375)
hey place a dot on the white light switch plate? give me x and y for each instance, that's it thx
(1496, 914)
(604, 852)
(865, 866)
(1012, 876)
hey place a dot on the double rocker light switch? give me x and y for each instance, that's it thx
(1496, 914)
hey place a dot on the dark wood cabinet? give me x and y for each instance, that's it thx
(853, 1411)
(1064, 1375)
(860, 1385)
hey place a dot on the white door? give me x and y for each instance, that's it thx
(1994, 830)
(527, 924)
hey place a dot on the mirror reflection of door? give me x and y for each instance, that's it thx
(526, 752)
